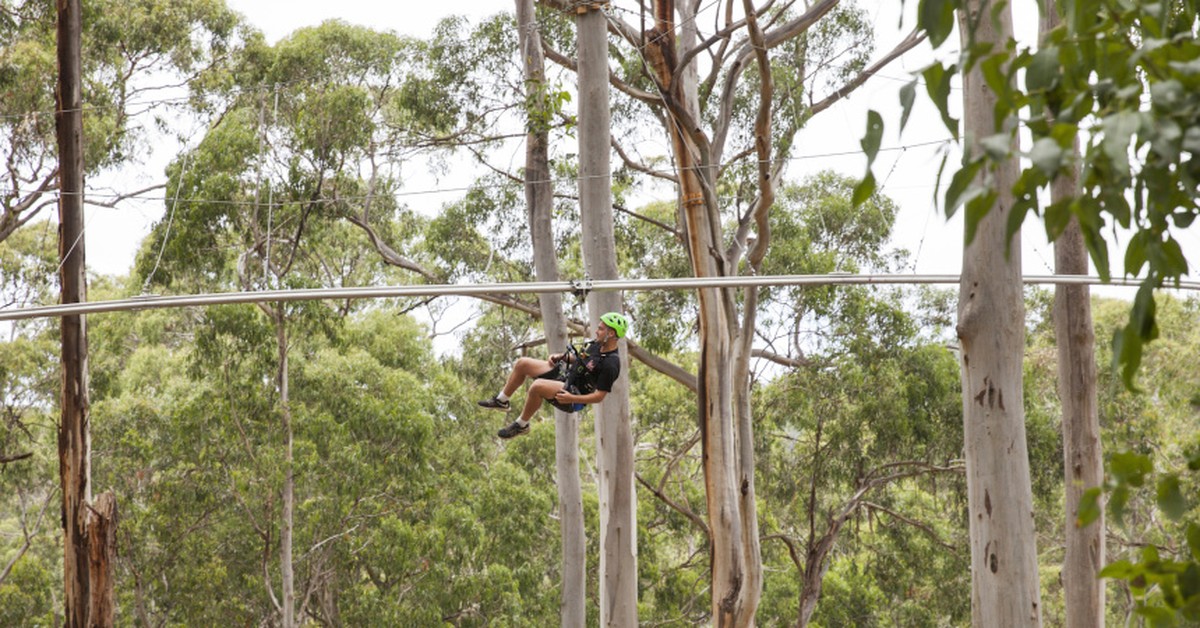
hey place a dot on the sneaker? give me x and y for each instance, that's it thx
(494, 404)
(513, 429)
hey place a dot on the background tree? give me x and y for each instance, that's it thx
(124, 60)
(539, 199)
(1082, 457)
(1115, 82)
(698, 118)
(31, 554)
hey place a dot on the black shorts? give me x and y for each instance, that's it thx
(556, 375)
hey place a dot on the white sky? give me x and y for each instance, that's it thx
(905, 175)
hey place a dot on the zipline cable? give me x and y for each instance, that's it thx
(146, 302)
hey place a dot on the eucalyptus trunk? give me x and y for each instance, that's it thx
(991, 332)
(539, 196)
(724, 412)
(83, 597)
(614, 434)
(1082, 451)
(286, 526)
(1082, 455)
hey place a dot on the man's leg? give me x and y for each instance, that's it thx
(522, 369)
(539, 391)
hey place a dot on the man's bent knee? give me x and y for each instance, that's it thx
(526, 365)
(545, 388)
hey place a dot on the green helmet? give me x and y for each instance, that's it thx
(617, 322)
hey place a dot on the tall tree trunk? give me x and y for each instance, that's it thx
(733, 561)
(991, 331)
(74, 441)
(285, 416)
(751, 547)
(1082, 453)
(728, 479)
(614, 435)
(1082, 456)
(539, 196)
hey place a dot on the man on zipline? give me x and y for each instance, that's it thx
(587, 378)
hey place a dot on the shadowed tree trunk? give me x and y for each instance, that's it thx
(87, 602)
(539, 196)
(991, 329)
(1082, 456)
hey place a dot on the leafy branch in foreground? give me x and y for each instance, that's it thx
(1166, 589)
(1122, 78)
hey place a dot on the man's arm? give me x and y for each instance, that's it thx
(593, 397)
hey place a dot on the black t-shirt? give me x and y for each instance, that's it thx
(597, 369)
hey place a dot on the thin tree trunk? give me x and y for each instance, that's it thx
(614, 435)
(539, 196)
(74, 442)
(1082, 456)
(991, 330)
(733, 602)
(1082, 453)
(751, 546)
(285, 532)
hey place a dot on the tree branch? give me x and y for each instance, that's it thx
(389, 254)
(123, 197)
(914, 38)
(770, 39)
(14, 458)
(792, 550)
(640, 167)
(781, 360)
(26, 533)
(625, 88)
(912, 522)
(691, 516)
(663, 366)
(628, 212)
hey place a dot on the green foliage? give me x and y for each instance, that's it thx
(1166, 591)
(26, 595)
(124, 42)
(1150, 488)
(1124, 76)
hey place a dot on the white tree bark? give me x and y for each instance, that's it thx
(1082, 454)
(614, 436)
(539, 196)
(287, 525)
(991, 329)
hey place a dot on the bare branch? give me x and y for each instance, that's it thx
(663, 366)
(914, 38)
(691, 516)
(912, 522)
(613, 79)
(479, 156)
(781, 360)
(123, 197)
(37, 524)
(628, 212)
(14, 458)
(389, 254)
(640, 167)
(771, 38)
(792, 550)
